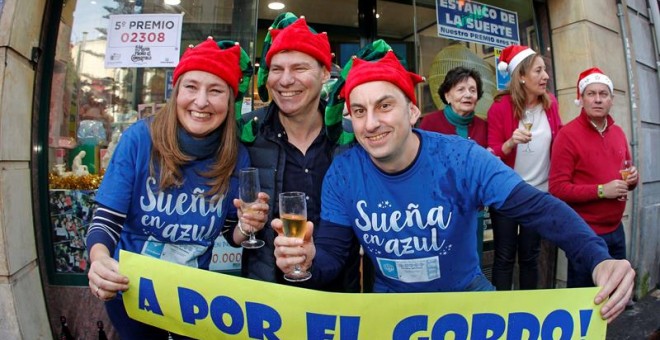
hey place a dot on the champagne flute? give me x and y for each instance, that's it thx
(528, 121)
(248, 192)
(293, 213)
(626, 169)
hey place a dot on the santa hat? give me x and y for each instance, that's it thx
(590, 76)
(387, 69)
(209, 57)
(512, 56)
(298, 37)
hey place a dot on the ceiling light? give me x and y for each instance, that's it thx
(276, 6)
(172, 2)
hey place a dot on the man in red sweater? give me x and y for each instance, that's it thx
(586, 167)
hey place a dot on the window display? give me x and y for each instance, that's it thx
(93, 101)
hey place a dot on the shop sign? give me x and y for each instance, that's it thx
(476, 22)
(143, 40)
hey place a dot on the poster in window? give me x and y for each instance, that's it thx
(70, 215)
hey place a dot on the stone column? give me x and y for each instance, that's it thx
(22, 306)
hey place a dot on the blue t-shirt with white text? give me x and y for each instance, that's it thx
(180, 224)
(418, 226)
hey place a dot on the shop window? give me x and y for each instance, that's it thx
(92, 104)
(439, 54)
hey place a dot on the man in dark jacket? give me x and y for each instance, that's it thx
(289, 141)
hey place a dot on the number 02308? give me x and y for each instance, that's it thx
(143, 37)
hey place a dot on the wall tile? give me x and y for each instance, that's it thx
(8, 324)
(6, 20)
(31, 308)
(23, 33)
(569, 54)
(15, 106)
(564, 12)
(16, 221)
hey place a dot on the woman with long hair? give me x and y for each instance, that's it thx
(171, 184)
(522, 123)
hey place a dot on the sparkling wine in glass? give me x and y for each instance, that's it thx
(528, 121)
(248, 192)
(293, 213)
(626, 169)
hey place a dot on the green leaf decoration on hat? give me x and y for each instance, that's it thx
(335, 108)
(283, 20)
(246, 132)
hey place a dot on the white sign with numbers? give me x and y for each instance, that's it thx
(143, 40)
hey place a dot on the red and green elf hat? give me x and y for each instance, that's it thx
(227, 60)
(284, 35)
(209, 57)
(334, 111)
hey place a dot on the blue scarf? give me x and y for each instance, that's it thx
(460, 122)
(199, 148)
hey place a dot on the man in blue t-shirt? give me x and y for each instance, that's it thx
(411, 197)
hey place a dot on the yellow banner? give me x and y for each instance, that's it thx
(208, 305)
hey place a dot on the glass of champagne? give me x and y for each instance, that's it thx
(626, 168)
(528, 121)
(248, 192)
(293, 213)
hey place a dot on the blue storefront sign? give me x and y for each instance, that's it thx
(476, 22)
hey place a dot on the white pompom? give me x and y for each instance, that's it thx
(502, 66)
(577, 102)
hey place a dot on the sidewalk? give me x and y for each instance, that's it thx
(642, 321)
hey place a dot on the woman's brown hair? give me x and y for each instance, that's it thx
(167, 157)
(517, 89)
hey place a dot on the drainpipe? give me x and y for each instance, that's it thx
(633, 124)
(654, 15)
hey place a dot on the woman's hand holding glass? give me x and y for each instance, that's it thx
(252, 207)
(519, 136)
(528, 121)
(254, 220)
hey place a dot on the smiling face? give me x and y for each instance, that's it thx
(463, 96)
(536, 79)
(597, 101)
(382, 120)
(202, 102)
(295, 80)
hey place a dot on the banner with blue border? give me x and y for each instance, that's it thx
(207, 305)
(476, 22)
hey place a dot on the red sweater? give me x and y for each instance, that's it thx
(502, 122)
(582, 159)
(437, 122)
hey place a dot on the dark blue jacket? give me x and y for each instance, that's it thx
(269, 157)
